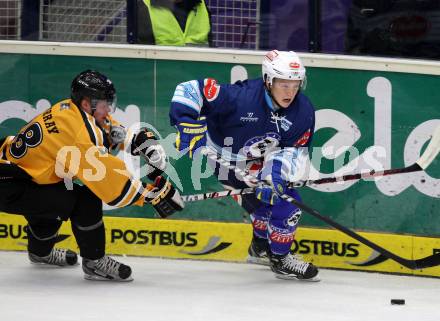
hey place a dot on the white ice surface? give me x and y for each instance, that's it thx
(184, 290)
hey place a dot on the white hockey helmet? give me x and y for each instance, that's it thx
(283, 65)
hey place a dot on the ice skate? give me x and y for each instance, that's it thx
(290, 266)
(257, 252)
(106, 269)
(58, 257)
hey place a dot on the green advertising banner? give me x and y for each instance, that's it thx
(365, 119)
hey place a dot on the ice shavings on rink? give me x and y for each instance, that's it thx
(184, 290)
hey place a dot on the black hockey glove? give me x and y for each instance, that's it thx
(164, 198)
(144, 143)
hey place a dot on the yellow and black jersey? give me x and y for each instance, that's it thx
(66, 142)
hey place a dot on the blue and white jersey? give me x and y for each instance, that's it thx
(242, 122)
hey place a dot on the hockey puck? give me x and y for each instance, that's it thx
(397, 301)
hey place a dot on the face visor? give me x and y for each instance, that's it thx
(287, 85)
(109, 104)
(112, 104)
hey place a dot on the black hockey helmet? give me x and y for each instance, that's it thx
(95, 86)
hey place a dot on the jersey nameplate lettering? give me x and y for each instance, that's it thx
(49, 123)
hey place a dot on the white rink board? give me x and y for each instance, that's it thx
(418, 66)
(187, 290)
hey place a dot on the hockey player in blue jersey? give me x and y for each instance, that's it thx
(266, 124)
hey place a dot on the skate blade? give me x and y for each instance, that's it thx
(51, 266)
(258, 261)
(296, 278)
(100, 278)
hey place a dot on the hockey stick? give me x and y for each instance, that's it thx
(204, 196)
(421, 164)
(429, 261)
(432, 260)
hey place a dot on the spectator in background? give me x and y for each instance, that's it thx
(174, 23)
(398, 28)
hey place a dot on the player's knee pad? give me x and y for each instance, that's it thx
(43, 229)
(90, 239)
(287, 221)
(87, 228)
(286, 215)
(42, 235)
(90, 226)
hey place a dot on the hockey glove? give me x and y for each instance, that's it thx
(191, 136)
(144, 143)
(164, 198)
(270, 193)
(117, 135)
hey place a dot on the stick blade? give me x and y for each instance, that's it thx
(431, 151)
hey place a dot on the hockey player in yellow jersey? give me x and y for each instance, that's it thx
(71, 140)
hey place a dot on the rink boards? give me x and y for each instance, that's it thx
(229, 241)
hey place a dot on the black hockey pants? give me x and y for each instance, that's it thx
(46, 206)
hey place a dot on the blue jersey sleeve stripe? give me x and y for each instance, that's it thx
(188, 94)
(186, 102)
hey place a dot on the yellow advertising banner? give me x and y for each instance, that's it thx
(229, 242)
